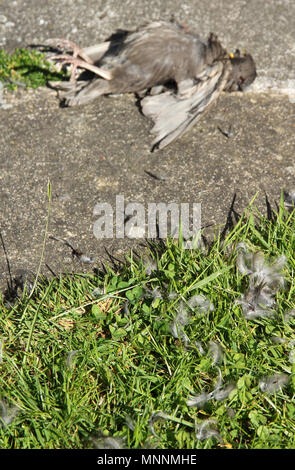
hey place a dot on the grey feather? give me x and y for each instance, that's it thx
(174, 114)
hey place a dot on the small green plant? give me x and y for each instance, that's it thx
(27, 67)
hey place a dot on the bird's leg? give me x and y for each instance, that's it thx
(68, 59)
(78, 59)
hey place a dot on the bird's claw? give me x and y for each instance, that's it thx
(76, 62)
(67, 45)
(65, 59)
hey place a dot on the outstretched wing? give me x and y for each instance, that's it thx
(175, 113)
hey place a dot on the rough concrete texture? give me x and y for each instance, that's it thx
(92, 153)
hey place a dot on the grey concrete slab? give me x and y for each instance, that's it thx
(92, 153)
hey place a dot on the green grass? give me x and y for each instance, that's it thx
(28, 68)
(81, 366)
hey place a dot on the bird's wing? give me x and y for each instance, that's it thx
(175, 113)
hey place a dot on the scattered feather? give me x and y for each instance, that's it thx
(178, 333)
(181, 319)
(98, 291)
(134, 231)
(200, 348)
(243, 259)
(216, 351)
(292, 356)
(149, 266)
(289, 315)
(70, 358)
(273, 383)
(155, 293)
(108, 443)
(292, 352)
(173, 295)
(86, 259)
(219, 380)
(261, 272)
(199, 400)
(130, 423)
(289, 200)
(7, 414)
(156, 416)
(195, 243)
(257, 302)
(241, 246)
(76, 254)
(207, 430)
(278, 339)
(221, 394)
(201, 303)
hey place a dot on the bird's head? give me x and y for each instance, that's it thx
(243, 72)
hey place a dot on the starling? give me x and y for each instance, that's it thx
(176, 74)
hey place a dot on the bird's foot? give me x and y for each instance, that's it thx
(67, 45)
(78, 59)
(64, 59)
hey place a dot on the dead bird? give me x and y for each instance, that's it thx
(175, 73)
